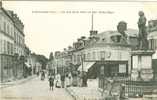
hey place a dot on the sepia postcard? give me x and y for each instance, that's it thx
(78, 49)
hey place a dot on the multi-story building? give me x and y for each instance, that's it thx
(11, 43)
(101, 48)
(152, 38)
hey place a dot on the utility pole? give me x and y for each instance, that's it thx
(82, 67)
(92, 26)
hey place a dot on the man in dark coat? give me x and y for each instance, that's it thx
(62, 80)
(51, 82)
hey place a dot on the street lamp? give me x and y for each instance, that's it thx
(82, 75)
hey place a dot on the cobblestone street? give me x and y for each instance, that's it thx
(34, 89)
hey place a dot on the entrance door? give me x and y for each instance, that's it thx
(111, 70)
(107, 70)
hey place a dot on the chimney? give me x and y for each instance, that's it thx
(93, 33)
(83, 37)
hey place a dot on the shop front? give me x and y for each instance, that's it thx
(110, 69)
(6, 69)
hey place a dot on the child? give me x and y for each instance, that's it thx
(51, 82)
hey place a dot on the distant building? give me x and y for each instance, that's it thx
(61, 61)
(12, 40)
(35, 65)
(27, 66)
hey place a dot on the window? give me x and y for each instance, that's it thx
(88, 56)
(119, 55)
(94, 55)
(2, 49)
(8, 47)
(155, 40)
(12, 49)
(74, 57)
(102, 55)
(0, 23)
(4, 27)
(122, 68)
(1, 46)
(5, 47)
(151, 43)
(11, 32)
(8, 30)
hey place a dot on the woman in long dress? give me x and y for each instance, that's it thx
(67, 80)
(58, 82)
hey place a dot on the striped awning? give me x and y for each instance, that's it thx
(28, 65)
(86, 66)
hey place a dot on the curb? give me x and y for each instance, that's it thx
(20, 82)
(69, 92)
(78, 97)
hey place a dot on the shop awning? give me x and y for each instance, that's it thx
(28, 65)
(86, 66)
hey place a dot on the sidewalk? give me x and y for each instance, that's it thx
(12, 83)
(86, 93)
(89, 93)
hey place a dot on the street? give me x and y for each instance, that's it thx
(34, 89)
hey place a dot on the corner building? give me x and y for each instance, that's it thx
(105, 54)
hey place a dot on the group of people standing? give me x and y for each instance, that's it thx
(60, 80)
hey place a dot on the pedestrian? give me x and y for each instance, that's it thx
(43, 75)
(62, 80)
(70, 78)
(85, 79)
(51, 82)
(67, 81)
(38, 73)
(58, 81)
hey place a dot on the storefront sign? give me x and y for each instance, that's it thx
(122, 68)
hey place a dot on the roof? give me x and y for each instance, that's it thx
(129, 32)
(10, 15)
(106, 36)
(132, 32)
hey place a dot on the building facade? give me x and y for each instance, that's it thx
(11, 43)
(152, 39)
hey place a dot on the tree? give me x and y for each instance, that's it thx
(43, 60)
(51, 57)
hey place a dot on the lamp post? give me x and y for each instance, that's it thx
(82, 59)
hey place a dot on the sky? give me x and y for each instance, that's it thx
(52, 26)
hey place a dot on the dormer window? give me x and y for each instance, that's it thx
(116, 38)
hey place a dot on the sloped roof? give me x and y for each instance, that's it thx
(132, 32)
(129, 32)
(106, 36)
